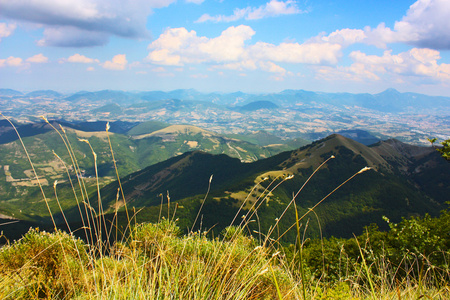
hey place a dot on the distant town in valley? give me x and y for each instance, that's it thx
(408, 117)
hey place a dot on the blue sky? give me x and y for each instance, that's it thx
(226, 46)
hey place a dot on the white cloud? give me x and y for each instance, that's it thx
(229, 46)
(308, 53)
(415, 64)
(344, 37)
(272, 68)
(426, 24)
(232, 50)
(240, 66)
(38, 58)
(380, 36)
(273, 8)
(195, 1)
(83, 22)
(78, 58)
(6, 30)
(11, 62)
(119, 62)
(19, 62)
(178, 46)
(237, 15)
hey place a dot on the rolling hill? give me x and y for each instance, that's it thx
(135, 146)
(178, 160)
(385, 190)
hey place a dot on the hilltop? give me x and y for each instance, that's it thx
(136, 146)
(158, 160)
(385, 190)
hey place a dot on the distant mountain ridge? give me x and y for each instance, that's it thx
(289, 114)
(389, 100)
(257, 105)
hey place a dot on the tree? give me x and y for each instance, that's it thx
(444, 150)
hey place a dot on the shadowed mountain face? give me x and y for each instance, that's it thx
(394, 187)
(360, 136)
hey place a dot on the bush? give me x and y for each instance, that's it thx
(43, 264)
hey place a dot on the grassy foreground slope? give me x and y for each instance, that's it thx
(156, 262)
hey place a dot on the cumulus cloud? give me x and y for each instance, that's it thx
(272, 68)
(232, 50)
(6, 30)
(78, 58)
(344, 37)
(273, 8)
(307, 53)
(426, 24)
(11, 62)
(119, 62)
(415, 63)
(19, 62)
(38, 58)
(177, 46)
(83, 22)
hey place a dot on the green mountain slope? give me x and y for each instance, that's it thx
(382, 191)
(151, 143)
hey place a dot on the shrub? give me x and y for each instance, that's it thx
(44, 264)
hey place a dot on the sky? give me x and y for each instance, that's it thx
(225, 45)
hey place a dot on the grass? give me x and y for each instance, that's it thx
(156, 261)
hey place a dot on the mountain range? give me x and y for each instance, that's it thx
(289, 114)
(388, 101)
(135, 145)
(403, 180)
